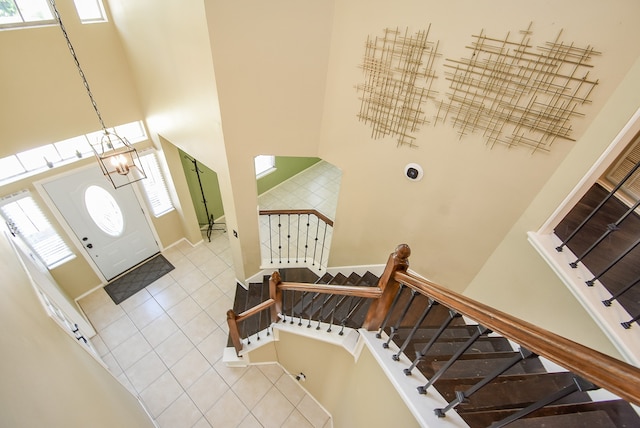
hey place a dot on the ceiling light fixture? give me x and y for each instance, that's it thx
(117, 157)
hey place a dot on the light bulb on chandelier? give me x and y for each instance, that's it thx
(119, 162)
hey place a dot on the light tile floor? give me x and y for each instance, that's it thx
(316, 187)
(166, 342)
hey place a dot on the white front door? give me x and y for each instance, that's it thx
(109, 223)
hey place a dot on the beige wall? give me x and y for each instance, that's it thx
(284, 82)
(265, 96)
(47, 378)
(357, 393)
(470, 195)
(43, 98)
(44, 101)
(542, 298)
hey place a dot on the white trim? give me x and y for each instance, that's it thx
(353, 341)
(39, 186)
(420, 405)
(619, 144)
(626, 341)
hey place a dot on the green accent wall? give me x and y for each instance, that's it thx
(286, 167)
(210, 186)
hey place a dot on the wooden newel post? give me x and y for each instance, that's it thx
(276, 294)
(398, 261)
(234, 334)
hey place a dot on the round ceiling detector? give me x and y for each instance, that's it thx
(413, 172)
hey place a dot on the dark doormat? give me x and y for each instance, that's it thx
(134, 281)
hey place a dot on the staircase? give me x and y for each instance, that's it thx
(514, 389)
(453, 355)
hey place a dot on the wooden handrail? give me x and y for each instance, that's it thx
(607, 372)
(276, 287)
(318, 214)
(256, 309)
(233, 319)
(344, 290)
(616, 376)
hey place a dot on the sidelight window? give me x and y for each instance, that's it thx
(25, 219)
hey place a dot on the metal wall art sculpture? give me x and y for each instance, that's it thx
(517, 95)
(509, 91)
(398, 71)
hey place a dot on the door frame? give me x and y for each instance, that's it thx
(39, 186)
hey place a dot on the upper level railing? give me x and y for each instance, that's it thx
(592, 369)
(295, 238)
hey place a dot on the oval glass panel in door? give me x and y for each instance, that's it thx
(104, 210)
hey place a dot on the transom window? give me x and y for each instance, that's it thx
(23, 13)
(29, 162)
(90, 11)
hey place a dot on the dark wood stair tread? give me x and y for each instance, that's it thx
(619, 412)
(597, 419)
(510, 391)
(474, 365)
(298, 275)
(450, 346)
(518, 387)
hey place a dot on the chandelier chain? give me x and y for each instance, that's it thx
(77, 62)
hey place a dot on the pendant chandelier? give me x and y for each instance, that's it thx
(117, 157)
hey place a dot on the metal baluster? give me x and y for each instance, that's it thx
(304, 293)
(578, 384)
(620, 293)
(279, 238)
(396, 356)
(610, 229)
(336, 306)
(244, 324)
(283, 309)
(315, 244)
(267, 312)
(306, 241)
(333, 313)
(324, 301)
(627, 324)
(310, 310)
(395, 328)
(352, 307)
(259, 314)
(324, 238)
(288, 238)
(388, 316)
(298, 239)
(270, 243)
(293, 293)
(480, 331)
(461, 396)
(359, 302)
(438, 333)
(613, 263)
(596, 209)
